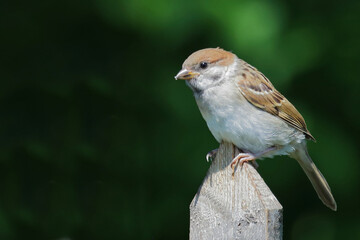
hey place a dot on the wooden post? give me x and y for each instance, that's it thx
(234, 206)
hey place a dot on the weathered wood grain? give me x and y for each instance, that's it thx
(236, 205)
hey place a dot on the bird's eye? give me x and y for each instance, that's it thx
(203, 65)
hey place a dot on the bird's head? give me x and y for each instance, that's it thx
(206, 68)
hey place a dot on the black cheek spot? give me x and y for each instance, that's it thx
(216, 77)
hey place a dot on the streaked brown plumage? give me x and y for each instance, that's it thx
(241, 106)
(259, 91)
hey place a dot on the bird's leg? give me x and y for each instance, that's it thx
(211, 155)
(243, 157)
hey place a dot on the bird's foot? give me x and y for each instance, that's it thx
(241, 158)
(211, 155)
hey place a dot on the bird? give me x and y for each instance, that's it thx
(241, 106)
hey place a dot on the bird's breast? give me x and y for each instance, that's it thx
(230, 117)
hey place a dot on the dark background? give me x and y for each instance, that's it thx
(98, 141)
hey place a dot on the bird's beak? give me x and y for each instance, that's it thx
(185, 74)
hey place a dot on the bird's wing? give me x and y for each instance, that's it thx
(259, 91)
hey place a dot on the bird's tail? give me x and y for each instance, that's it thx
(316, 178)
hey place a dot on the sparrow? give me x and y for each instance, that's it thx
(241, 106)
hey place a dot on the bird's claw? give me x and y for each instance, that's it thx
(211, 155)
(241, 158)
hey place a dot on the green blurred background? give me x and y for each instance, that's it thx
(98, 141)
